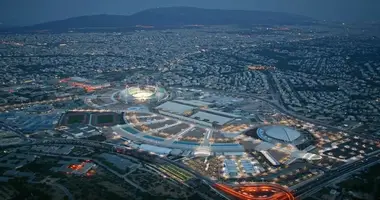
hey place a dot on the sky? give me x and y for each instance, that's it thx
(28, 12)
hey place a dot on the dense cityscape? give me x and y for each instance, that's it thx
(201, 112)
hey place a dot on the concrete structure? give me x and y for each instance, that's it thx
(180, 117)
(270, 158)
(155, 149)
(175, 108)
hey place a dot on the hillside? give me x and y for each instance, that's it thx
(174, 17)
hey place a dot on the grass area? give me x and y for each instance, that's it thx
(75, 119)
(42, 166)
(30, 191)
(363, 182)
(112, 166)
(105, 119)
(93, 187)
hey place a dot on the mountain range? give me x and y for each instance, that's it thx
(174, 17)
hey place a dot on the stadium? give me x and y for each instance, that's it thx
(142, 93)
(280, 134)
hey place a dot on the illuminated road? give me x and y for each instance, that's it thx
(259, 191)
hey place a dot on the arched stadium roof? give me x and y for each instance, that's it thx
(281, 133)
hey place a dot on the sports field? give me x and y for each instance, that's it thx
(76, 119)
(70, 118)
(93, 118)
(106, 119)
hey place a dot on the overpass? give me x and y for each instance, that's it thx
(257, 191)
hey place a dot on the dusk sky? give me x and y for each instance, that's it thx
(27, 12)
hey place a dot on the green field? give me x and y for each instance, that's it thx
(105, 119)
(75, 119)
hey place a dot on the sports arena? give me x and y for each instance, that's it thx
(280, 134)
(142, 93)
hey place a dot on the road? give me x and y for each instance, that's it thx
(64, 189)
(16, 130)
(11, 106)
(335, 175)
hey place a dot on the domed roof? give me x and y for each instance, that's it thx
(281, 133)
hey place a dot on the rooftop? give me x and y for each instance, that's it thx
(282, 133)
(174, 107)
(204, 116)
(196, 103)
(155, 149)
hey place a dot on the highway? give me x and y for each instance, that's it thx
(334, 175)
(16, 130)
(247, 192)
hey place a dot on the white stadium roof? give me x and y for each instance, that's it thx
(174, 107)
(282, 133)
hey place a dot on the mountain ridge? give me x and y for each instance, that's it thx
(174, 16)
